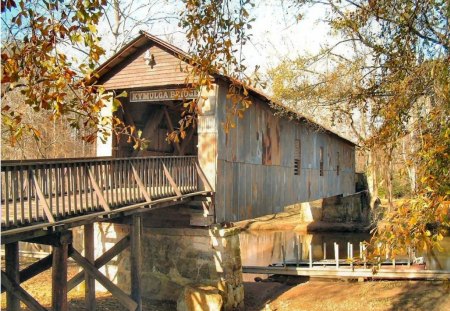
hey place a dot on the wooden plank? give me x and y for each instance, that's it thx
(187, 140)
(19, 293)
(140, 184)
(136, 259)
(59, 277)
(98, 191)
(123, 298)
(34, 269)
(171, 128)
(203, 178)
(41, 196)
(12, 270)
(89, 253)
(170, 179)
(94, 217)
(101, 261)
(350, 273)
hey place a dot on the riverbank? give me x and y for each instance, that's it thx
(294, 220)
(345, 296)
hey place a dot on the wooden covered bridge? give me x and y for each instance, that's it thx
(42, 200)
(263, 165)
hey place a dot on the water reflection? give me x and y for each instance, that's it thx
(261, 248)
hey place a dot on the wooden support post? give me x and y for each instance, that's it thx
(310, 255)
(59, 277)
(351, 256)
(360, 250)
(336, 254)
(34, 269)
(19, 293)
(12, 270)
(364, 256)
(136, 260)
(101, 261)
(89, 290)
(296, 248)
(301, 251)
(283, 253)
(409, 256)
(59, 270)
(123, 298)
(324, 251)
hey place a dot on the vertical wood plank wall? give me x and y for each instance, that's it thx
(252, 167)
(135, 73)
(255, 163)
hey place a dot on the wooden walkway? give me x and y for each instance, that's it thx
(46, 194)
(42, 200)
(399, 273)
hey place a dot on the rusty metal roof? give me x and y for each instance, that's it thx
(144, 38)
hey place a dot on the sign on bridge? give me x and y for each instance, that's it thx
(161, 95)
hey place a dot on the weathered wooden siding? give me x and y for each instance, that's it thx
(255, 164)
(135, 73)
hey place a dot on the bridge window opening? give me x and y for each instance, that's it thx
(321, 161)
(155, 120)
(338, 167)
(297, 157)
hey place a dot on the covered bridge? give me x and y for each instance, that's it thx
(266, 163)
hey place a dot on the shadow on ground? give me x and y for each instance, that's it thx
(259, 294)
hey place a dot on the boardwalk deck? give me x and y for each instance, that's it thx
(347, 272)
(40, 194)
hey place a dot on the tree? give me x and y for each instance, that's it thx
(402, 85)
(401, 62)
(50, 50)
(122, 19)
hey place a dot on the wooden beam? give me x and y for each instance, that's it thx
(203, 177)
(20, 294)
(34, 269)
(140, 184)
(89, 248)
(59, 277)
(101, 261)
(54, 239)
(149, 129)
(123, 298)
(41, 196)
(171, 181)
(187, 140)
(136, 259)
(328, 272)
(98, 191)
(12, 270)
(171, 128)
(83, 219)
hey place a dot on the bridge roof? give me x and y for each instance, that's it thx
(145, 38)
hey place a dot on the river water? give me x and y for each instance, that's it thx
(261, 248)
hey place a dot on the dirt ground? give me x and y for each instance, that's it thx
(345, 296)
(289, 295)
(40, 288)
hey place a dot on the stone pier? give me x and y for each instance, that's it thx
(191, 266)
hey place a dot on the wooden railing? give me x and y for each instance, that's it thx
(51, 190)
